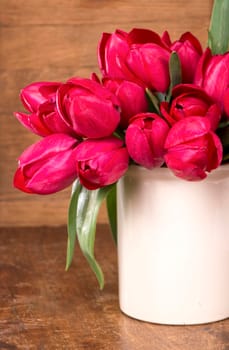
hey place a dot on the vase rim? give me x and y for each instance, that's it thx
(218, 174)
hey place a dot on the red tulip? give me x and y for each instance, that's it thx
(145, 138)
(131, 97)
(140, 56)
(40, 100)
(189, 51)
(213, 76)
(88, 108)
(35, 94)
(101, 162)
(190, 100)
(193, 149)
(47, 166)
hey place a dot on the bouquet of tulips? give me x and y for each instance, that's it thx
(157, 103)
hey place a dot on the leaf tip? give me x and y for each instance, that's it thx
(101, 284)
(68, 264)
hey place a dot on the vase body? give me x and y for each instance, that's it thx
(173, 246)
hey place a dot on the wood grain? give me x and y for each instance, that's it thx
(43, 307)
(54, 40)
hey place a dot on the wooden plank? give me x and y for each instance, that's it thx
(128, 13)
(75, 43)
(44, 307)
(20, 210)
(48, 47)
(74, 47)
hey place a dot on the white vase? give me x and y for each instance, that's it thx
(173, 246)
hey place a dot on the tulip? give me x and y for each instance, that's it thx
(190, 100)
(189, 51)
(145, 139)
(213, 76)
(193, 149)
(101, 162)
(47, 166)
(35, 94)
(140, 56)
(40, 100)
(131, 97)
(88, 108)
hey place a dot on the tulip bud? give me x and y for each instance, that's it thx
(189, 51)
(131, 97)
(188, 101)
(145, 138)
(47, 166)
(193, 149)
(140, 56)
(212, 75)
(101, 162)
(88, 108)
(40, 100)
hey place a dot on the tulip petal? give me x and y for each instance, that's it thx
(33, 123)
(111, 47)
(35, 94)
(189, 172)
(53, 175)
(186, 130)
(142, 58)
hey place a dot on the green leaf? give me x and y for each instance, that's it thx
(88, 206)
(218, 34)
(160, 96)
(72, 222)
(112, 211)
(174, 73)
(155, 105)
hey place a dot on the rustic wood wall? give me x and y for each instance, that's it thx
(54, 40)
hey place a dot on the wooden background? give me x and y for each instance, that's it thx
(54, 40)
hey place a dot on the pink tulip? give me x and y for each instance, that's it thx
(88, 108)
(131, 97)
(213, 76)
(40, 100)
(47, 166)
(140, 56)
(35, 94)
(190, 100)
(189, 51)
(101, 162)
(145, 138)
(192, 149)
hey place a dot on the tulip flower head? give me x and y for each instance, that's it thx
(101, 162)
(193, 149)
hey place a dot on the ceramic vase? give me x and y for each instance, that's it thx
(173, 246)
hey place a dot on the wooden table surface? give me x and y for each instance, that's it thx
(44, 307)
